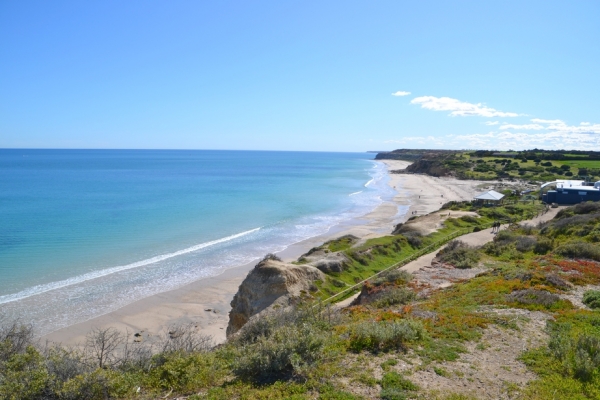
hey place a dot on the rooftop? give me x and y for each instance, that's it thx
(489, 195)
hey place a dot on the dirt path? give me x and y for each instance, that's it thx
(472, 239)
(476, 239)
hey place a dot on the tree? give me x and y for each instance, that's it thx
(103, 345)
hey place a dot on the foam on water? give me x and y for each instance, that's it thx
(38, 289)
(53, 305)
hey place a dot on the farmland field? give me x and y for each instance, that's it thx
(580, 164)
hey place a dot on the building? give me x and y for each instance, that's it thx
(571, 192)
(489, 197)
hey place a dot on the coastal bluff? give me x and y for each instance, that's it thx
(271, 284)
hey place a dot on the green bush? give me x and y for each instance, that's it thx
(394, 386)
(394, 296)
(24, 376)
(525, 243)
(288, 351)
(385, 335)
(543, 246)
(579, 249)
(459, 255)
(469, 219)
(337, 283)
(396, 276)
(531, 296)
(579, 355)
(415, 241)
(267, 324)
(591, 298)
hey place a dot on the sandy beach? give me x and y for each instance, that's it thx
(205, 303)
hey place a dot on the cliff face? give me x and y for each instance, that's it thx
(429, 162)
(270, 283)
(429, 167)
(413, 154)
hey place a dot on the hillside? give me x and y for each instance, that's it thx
(531, 165)
(514, 318)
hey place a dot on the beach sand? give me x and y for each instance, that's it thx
(205, 303)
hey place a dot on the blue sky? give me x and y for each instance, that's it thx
(300, 75)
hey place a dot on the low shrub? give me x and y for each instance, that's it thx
(525, 243)
(273, 257)
(557, 282)
(528, 229)
(394, 386)
(385, 335)
(185, 338)
(459, 254)
(566, 224)
(394, 296)
(415, 241)
(406, 229)
(396, 276)
(469, 219)
(543, 246)
(580, 356)
(505, 237)
(579, 249)
(267, 324)
(587, 207)
(591, 298)
(337, 283)
(531, 296)
(15, 337)
(288, 351)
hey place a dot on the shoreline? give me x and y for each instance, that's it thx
(206, 302)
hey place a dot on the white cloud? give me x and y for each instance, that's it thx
(547, 121)
(540, 133)
(526, 127)
(459, 108)
(521, 140)
(400, 93)
(557, 125)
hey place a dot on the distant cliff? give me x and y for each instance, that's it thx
(430, 162)
(413, 154)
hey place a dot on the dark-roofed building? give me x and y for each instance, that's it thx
(571, 192)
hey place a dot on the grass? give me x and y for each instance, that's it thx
(379, 254)
(569, 366)
(310, 352)
(581, 163)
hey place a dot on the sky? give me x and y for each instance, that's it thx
(300, 75)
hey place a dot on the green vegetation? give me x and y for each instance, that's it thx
(531, 165)
(396, 387)
(591, 298)
(459, 255)
(377, 255)
(311, 351)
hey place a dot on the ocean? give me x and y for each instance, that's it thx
(84, 232)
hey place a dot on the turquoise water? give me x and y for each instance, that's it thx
(84, 232)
